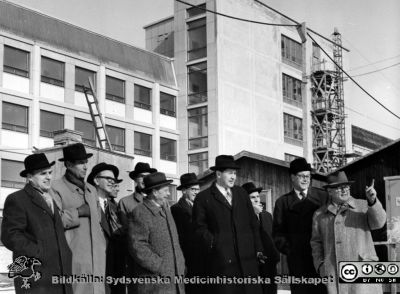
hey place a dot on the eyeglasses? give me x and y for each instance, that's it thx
(109, 179)
(342, 188)
(304, 177)
(194, 189)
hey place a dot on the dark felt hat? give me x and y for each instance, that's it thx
(75, 152)
(188, 180)
(141, 167)
(223, 162)
(337, 179)
(250, 188)
(102, 166)
(298, 165)
(35, 162)
(155, 180)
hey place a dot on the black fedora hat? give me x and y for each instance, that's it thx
(188, 180)
(35, 162)
(102, 166)
(154, 180)
(337, 179)
(141, 167)
(74, 152)
(298, 165)
(223, 162)
(250, 188)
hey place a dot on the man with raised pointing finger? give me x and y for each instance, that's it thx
(342, 232)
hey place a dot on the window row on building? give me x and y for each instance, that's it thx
(16, 62)
(293, 129)
(197, 87)
(15, 118)
(291, 90)
(291, 52)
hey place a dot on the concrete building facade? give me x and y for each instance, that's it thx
(44, 63)
(243, 86)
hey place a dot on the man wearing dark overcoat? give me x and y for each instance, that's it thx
(227, 227)
(125, 207)
(104, 176)
(292, 225)
(32, 229)
(268, 269)
(153, 240)
(182, 213)
(77, 202)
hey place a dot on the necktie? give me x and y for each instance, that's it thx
(343, 207)
(229, 196)
(303, 195)
(49, 201)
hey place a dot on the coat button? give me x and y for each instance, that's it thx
(229, 260)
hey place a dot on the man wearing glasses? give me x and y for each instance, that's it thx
(182, 213)
(342, 232)
(292, 225)
(104, 177)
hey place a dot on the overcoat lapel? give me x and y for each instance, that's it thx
(153, 208)
(185, 206)
(294, 202)
(38, 200)
(219, 197)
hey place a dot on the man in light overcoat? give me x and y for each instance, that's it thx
(153, 240)
(342, 232)
(81, 218)
(125, 207)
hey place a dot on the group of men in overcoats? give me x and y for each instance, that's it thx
(75, 228)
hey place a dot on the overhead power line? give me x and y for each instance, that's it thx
(296, 22)
(351, 78)
(365, 91)
(377, 70)
(238, 18)
(373, 63)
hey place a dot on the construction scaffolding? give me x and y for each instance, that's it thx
(328, 117)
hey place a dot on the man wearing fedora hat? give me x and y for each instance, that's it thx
(227, 228)
(342, 232)
(77, 202)
(32, 229)
(127, 204)
(268, 269)
(153, 239)
(182, 213)
(292, 225)
(104, 176)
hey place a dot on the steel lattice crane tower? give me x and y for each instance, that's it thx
(328, 117)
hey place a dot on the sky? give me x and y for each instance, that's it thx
(370, 30)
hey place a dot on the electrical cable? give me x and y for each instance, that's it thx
(373, 63)
(238, 18)
(377, 70)
(351, 78)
